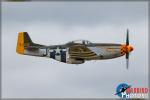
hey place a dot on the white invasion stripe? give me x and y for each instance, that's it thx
(58, 57)
(67, 53)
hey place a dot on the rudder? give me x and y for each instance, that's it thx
(20, 43)
(23, 41)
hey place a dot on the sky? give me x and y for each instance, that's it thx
(51, 23)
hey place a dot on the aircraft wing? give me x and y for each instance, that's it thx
(81, 52)
(98, 51)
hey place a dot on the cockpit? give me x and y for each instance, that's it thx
(85, 42)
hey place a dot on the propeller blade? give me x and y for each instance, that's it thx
(127, 63)
(127, 54)
(127, 38)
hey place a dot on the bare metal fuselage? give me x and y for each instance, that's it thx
(74, 52)
(97, 51)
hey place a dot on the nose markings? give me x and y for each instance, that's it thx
(126, 49)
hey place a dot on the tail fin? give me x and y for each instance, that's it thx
(24, 41)
(20, 43)
(27, 39)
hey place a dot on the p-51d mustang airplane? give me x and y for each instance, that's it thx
(74, 52)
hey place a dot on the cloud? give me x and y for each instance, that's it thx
(80, 13)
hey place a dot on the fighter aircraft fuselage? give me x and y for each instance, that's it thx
(74, 52)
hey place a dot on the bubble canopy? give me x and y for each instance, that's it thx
(81, 42)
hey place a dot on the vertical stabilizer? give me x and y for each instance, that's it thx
(24, 41)
(25, 46)
(20, 43)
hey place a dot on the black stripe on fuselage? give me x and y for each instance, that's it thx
(52, 54)
(62, 53)
(63, 56)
